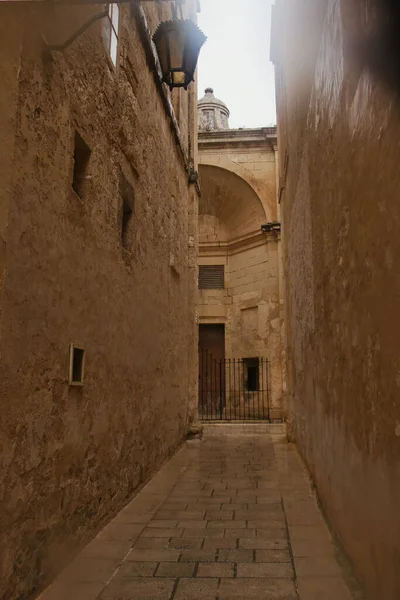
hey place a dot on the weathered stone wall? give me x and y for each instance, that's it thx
(338, 130)
(71, 456)
(239, 195)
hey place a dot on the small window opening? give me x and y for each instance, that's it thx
(81, 163)
(251, 374)
(128, 202)
(76, 365)
(111, 27)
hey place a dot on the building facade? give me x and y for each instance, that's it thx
(240, 307)
(337, 67)
(98, 274)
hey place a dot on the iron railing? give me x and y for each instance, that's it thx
(233, 389)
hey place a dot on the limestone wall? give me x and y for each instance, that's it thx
(72, 456)
(339, 129)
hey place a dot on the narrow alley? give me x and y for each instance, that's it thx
(231, 516)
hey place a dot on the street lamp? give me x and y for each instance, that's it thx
(178, 44)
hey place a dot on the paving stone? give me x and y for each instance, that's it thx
(223, 498)
(90, 570)
(167, 555)
(215, 486)
(273, 556)
(219, 515)
(151, 543)
(67, 591)
(257, 589)
(130, 517)
(272, 533)
(162, 524)
(175, 570)
(206, 502)
(120, 532)
(179, 515)
(306, 548)
(161, 532)
(276, 521)
(220, 543)
(204, 555)
(140, 588)
(323, 566)
(265, 570)
(240, 533)
(309, 533)
(104, 549)
(205, 533)
(216, 570)
(267, 544)
(186, 543)
(191, 524)
(323, 589)
(227, 555)
(227, 524)
(196, 589)
(241, 485)
(174, 506)
(235, 506)
(137, 569)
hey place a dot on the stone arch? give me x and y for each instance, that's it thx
(223, 162)
(231, 199)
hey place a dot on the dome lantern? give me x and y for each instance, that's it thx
(213, 113)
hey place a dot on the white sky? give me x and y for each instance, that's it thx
(235, 59)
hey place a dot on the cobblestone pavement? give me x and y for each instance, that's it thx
(230, 517)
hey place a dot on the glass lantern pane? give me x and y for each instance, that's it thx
(178, 77)
(162, 54)
(115, 17)
(176, 41)
(114, 45)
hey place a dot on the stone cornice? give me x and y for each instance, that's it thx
(238, 138)
(245, 242)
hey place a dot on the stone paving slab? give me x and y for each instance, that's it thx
(231, 517)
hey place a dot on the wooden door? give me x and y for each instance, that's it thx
(211, 370)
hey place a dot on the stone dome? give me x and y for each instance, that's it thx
(213, 113)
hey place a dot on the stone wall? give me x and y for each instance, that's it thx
(72, 456)
(239, 195)
(338, 129)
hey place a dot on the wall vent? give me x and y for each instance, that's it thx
(76, 364)
(81, 163)
(211, 277)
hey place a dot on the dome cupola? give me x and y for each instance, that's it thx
(213, 113)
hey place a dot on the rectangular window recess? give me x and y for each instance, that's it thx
(251, 374)
(127, 208)
(82, 154)
(111, 32)
(76, 364)
(211, 277)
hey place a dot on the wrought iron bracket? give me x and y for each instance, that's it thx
(78, 32)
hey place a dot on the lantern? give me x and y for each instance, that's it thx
(178, 46)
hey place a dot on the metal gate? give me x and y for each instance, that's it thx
(234, 389)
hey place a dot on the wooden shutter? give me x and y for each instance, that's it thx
(211, 277)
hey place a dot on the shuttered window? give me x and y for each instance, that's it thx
(211, 277)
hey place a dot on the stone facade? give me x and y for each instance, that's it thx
(79, 267)
(239, 196)
(338, 132)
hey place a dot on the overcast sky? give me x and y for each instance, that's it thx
(235, 59)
